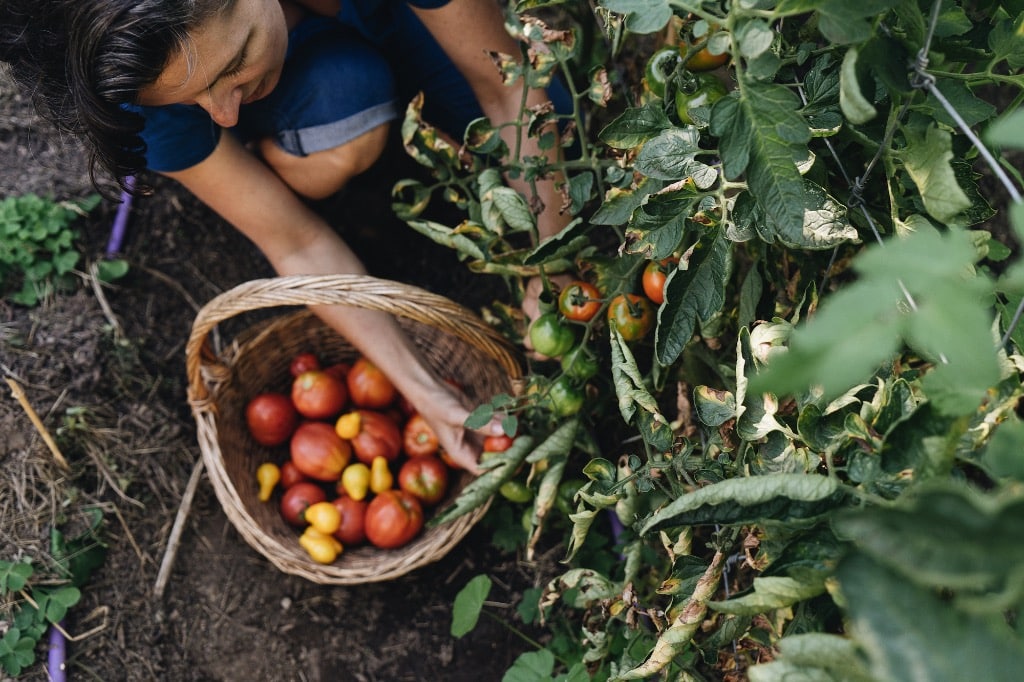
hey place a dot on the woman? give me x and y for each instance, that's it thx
(306, 91)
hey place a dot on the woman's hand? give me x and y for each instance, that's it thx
(446, 411)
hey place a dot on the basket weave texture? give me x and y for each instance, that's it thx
(451, 340)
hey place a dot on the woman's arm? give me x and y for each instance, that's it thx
(468, 30)
(296, 241)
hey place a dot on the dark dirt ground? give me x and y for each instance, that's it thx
(227, 613)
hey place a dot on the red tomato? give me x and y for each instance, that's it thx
(418, 438)
(393, 518)
(426, 478)
(318, 452)
(298, 498)
(653, 280)
(290, 475)
(579, 301)
(271, 418)
(339, 370)
(318, 395)
(632, 315)
(368, 386)
(379, 436)
(497, 443)
(303, 362)
(352, 530)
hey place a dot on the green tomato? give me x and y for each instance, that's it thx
(698, 90)
(659, 69)
(579, 363)
(550, 337)
(564, 398)
(516, 491)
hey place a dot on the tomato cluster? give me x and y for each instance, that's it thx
(356, 463)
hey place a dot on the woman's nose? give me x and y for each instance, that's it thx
(222, 107)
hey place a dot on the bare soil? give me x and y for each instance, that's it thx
(105, 371)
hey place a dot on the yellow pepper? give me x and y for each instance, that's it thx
(323, 516)
(321, 547)
(355, 480)
(267, 475)
(381, 478)
(348, 425)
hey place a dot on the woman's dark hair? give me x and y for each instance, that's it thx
(82, 60)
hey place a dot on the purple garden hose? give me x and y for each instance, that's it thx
(121, 219)
(56, 661)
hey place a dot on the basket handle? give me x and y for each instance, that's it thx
(359, 291)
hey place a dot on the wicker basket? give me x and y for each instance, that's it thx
(452, 340)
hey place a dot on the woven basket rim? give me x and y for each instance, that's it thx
(209, 374)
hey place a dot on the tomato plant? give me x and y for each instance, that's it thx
(697, 90)
(393, 518)
(271, 418)
(550, 337)
(631, 315)
(579, 301)
(352, 526)
(297, 499)
(368, 386)
(418, 438)
(318, 452)
(426, 478)
(303, 362)
(318, 395)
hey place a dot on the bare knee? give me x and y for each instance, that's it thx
(323, 173)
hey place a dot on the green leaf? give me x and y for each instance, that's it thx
(619, 204)
(1003, 456)
(446, 236)
(111, 270)
(14, 575)
(771, 593)
(1008, 131)
(642, 16)
(857, 108)
(946, 536)
(531, 666)
(909, 633)
(569, 240)
(468, 604)
(813, 657)
(927, 159)
(780, 497)
(635, 126)
(657, 228)
(672, 156)
(763, 135)
(630, 387)
(714, 407)
(696, 292)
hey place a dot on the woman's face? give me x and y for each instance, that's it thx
(231, 59)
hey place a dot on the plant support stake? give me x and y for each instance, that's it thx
(121, 218)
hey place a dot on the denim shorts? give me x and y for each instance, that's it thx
(338, 82)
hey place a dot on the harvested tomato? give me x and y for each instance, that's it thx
(378, 436)
(339, 370)
(368, 387)
(418, 438)
(498, 443)
(271, 418)
(297, 499)
(653, 279)
(426, 478)
(352, 529)
(550, 337)
(318, 452)
(303, 362)
(631, 315)
(290, 475)
(393, 518)
(318, 395)
(579, 301)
